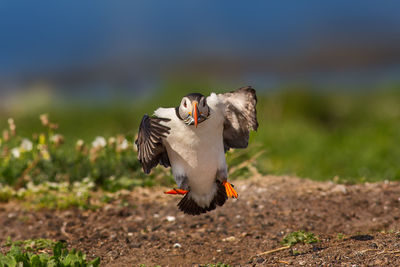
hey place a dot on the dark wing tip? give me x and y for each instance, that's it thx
(189, 206)
(246, 114)
(146, 170)
(252, 91)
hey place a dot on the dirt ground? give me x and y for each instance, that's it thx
(357, 225)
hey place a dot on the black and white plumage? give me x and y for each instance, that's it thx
(151, 150)
(193, 139)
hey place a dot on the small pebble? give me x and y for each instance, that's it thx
(339, 189)
(170, 218)
(229, 239)
(260, 260)
(373, 245)
(177, 245)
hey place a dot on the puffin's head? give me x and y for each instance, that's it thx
(193, 109)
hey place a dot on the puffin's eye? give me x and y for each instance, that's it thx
(184, 104)
(204, 103)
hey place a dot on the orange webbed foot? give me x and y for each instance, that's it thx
(176, 191)
(230, 191)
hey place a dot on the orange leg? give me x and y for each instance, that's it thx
(230, 191)
(176, 192)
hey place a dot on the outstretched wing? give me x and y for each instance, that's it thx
(240, 116)
(151, 150)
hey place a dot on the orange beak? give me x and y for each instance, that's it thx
(195, 114)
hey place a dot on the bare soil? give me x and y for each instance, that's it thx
(357, 225)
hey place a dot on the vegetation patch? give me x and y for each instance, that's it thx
(304, 133)
(43, 173)
(109, 163)
(301, 237)
(52, 195)
(31, 244)
(43, 252)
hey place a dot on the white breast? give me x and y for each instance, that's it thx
(197, 152)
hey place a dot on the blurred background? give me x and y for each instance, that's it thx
(327, 74)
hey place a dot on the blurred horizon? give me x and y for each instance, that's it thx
(327, 76)
(80, 50)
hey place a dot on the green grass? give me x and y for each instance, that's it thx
(340, 236)
(297, 237)
(109, 163)
(53, 195)
(31, 244)
(43, 252)
(347, 137)
(46, 172)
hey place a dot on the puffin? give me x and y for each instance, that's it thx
(193, 138)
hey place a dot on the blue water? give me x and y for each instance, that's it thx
(42, 37)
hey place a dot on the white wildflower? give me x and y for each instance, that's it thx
(57, 139)
(21, 192)
(80, 145)
(32, 187)
(11, 124)
(79, 193)
(80, 142)
(15, 152)
(45, 154)
(26, 145)
(99, 142)
(44, 118)
(112, 140)
(53, 185)
(124, 145)
(76, 184)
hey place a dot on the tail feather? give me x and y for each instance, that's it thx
(189, 206)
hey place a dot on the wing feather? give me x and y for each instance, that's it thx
(151, 150)
(240, 117)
